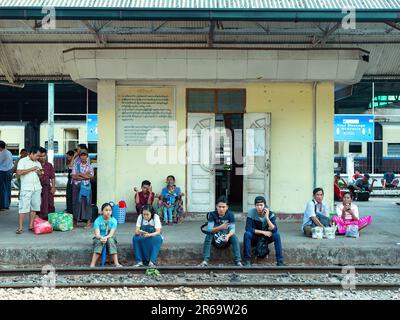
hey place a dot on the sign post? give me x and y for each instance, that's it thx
(50, 127)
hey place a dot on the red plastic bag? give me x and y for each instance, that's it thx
(122, 204)
(41, 226)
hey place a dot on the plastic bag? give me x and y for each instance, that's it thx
(61, 221)
(352, 231)
(329, 232)
(317, 232)
(41, 226)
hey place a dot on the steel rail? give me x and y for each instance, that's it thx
(211, 269)
(263, 285)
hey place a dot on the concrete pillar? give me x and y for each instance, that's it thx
(325, 140)
(106, 147)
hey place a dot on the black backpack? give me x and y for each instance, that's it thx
(262, 250)
(217, 238)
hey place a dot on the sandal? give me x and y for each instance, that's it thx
(31, 229)
(19, 231)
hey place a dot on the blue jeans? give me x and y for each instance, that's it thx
(234, 242)
(250, 239)
(323, 219)
(168, 214)
(146, 249)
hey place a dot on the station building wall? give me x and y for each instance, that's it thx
(292, 135)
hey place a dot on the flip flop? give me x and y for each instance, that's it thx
(30, 229)
(19, 231)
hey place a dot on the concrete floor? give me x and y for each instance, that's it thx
(378, 244)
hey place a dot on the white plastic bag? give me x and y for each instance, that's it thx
(317, 232)
(329, 232)
(352, 231)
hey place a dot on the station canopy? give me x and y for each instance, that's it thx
(29, 51)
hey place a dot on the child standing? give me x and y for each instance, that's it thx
(104, 229)
(169, 201)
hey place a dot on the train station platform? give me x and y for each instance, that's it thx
(378, 244)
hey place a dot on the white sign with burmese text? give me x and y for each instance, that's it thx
(145, 116)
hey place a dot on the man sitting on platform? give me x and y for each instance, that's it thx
(261, 229)
(389, 180)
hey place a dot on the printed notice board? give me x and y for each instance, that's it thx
(355, 128)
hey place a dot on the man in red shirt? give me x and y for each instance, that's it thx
(357, 175)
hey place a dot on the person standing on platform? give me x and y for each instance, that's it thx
(30, 171)
(48, 181)
(70, 165)
(81, 174)
(22, 154)
(6, 165)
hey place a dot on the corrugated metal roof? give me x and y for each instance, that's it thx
(208, 4)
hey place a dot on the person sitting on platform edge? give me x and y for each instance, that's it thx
(221, 232)
(104, 227)
(169, 203)
(144, 197)
(347, 214)
(316, 213)
(147, 240)
(389, 180)
(261, 226)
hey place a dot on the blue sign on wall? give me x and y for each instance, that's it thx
(356, 128)
(91, 127)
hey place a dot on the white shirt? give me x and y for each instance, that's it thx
(30, 181)
(348, 216)
(155, 222)
(6, 161)
(312, 209)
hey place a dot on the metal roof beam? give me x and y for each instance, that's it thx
(327, 33)
(97, 37)
(5, 64)
(316, 15)
(394, 25)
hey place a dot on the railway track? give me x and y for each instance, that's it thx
(179, 270)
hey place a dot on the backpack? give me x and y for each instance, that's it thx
(262, 250)
(217, 238)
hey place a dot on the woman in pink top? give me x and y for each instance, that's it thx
(347, 214)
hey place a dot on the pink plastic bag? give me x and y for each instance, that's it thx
(41, 226)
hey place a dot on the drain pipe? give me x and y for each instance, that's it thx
(315, 134)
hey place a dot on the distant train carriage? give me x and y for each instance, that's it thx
(386, 151)
(67, 135)
(18, 135)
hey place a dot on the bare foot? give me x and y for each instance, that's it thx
(88, 225)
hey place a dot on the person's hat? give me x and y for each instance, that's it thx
(260, 199)
(83, 152)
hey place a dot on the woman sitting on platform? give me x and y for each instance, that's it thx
(144, 197)
(347, 214)
(178, 205)
(147, 240)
